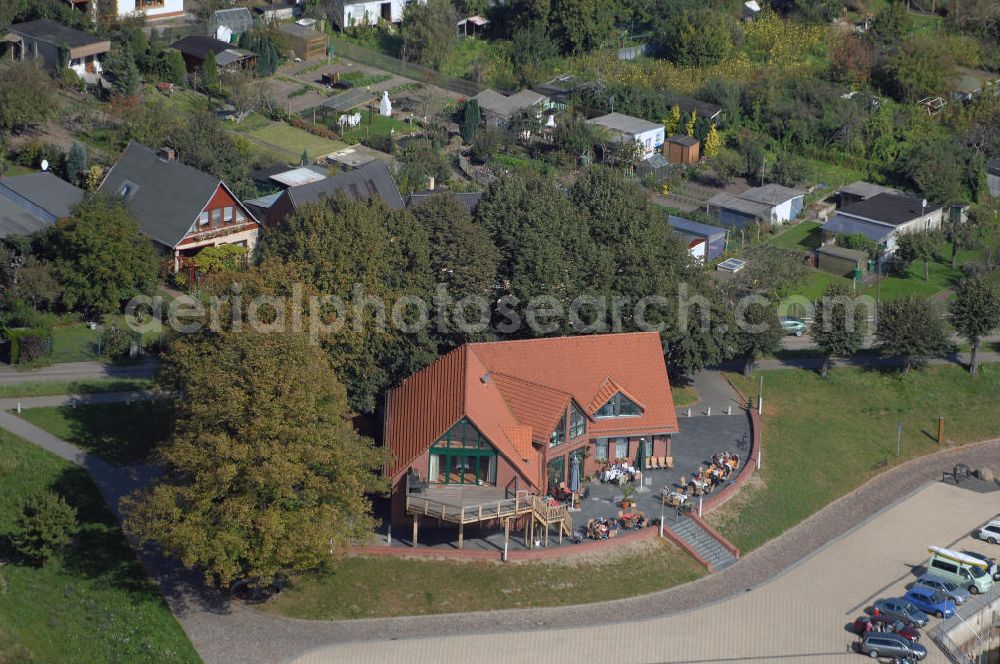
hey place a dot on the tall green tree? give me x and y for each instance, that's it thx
(908, 328)
(580, 26)
(975, 312)
(919, 246)
(100, 257)
(696, 37)
(428, 32)
(264, 474)
(839, 324)
(173, 68)
(20, 109)
(470, 120)
(757, 332)
(76, 164)
(124, 71)
(210, 73)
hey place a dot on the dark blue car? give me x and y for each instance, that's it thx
(930, 601)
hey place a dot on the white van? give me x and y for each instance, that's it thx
(966, 571)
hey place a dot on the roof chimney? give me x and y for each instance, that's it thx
(167, 154)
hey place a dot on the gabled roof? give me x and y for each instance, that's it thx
(372, 179)
(15, 220)
(625, 123)
(863, 189)
(507, 386)
(43, 190)
(165, 196)
(839, 223)
(890, 209)
(504, 106)
(470, 199)
(199, 46)
(771, 194)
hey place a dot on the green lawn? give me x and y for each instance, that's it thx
(804, 235)
(94, 602)
(461, 58)
(381, 127)
(362, 587)
(120, 433)
(287, 142)
(57, 387)
(822, 438)
(11, 169)
(683, 396)
(74, 343)
(814, 285)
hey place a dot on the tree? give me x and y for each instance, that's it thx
(173, 68)
(246, 93)
(788, 169)
(837, 327)
(907, 327)
(100, 257)
(923, 66)
(975, 312)
(695, 37)
(204, 143)
(486, 143)
(891, 24)
(673, 121)
(76, 164)
(757, 332)
(210, 73)
(121, 64)
(264, 473)
(580, 26)
(18, 109)
(44, 527)
(937, 166)
(32, 281)
(918, 246)
(470, 120)
(852, 60)
(429, 32)
(771, 270)
(573, 135)
(692, 121)
(713, 143)
(532, 51)
(304, 158)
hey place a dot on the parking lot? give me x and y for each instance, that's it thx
(801, 616)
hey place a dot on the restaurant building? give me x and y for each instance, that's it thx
(508, 416)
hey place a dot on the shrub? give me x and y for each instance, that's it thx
(27, 346)
(46, 525)
(116, 343)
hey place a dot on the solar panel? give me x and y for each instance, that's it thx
(731, 265)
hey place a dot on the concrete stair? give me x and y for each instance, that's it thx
(706, 546)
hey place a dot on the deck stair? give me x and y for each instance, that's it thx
(546, 515)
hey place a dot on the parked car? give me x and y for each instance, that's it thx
(969, 572)
(949, 589)
(878, 644)
(990, 532)
(991, 564)
(889, 625)
(902, 610)
(794, 326)
(930, 601)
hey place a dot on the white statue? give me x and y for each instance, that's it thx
(385, 106)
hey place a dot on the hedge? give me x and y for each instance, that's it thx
(29, 345)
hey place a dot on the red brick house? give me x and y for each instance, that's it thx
(512, 414)
(182, 209)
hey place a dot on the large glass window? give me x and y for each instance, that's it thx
(648, 445)
(558, 436)
(463, 456)
(557, 471)
(577, 422)
(618, 406)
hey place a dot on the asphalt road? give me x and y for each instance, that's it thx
(77, 371)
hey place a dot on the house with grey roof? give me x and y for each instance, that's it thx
(497, 109)
(195, 49)
(32, 202)
(180, 208)
(57, 46)
(772, 204)
(704, 243)
(372, 180)
(861, 191)
(469, 199)
(884, 217)
(648, 135)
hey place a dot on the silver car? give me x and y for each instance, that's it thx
(950, 590)
(884, 644)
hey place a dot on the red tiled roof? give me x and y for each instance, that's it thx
(516, 391)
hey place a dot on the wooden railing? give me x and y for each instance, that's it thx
(521, 503)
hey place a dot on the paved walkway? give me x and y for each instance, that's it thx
(77, 371)
(800, 616)
(231, 633)
(713, 392)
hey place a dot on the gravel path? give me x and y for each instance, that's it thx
(235, 634)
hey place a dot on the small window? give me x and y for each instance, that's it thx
(601, 450)
(203, 218)
(227, 214)
(240, 217)
(217, 217)
(621, 448)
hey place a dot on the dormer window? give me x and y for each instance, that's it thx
(128, 189)
(619, 406)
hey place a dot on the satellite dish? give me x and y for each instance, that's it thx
(45, 164)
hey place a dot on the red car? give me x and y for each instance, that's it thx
(865, 624)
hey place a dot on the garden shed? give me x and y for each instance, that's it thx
(841, 261)
(682, 150)
(305, 42)
(229, 24)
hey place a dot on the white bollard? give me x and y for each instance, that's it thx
(709, 413)
(689, 412)
(388, 536)
(18, 407)
(729, 410)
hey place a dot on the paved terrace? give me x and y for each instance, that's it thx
(698, 440)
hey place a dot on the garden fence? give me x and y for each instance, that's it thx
(421, 74)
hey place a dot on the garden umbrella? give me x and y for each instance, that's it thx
(574, 473)
(640, 455)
